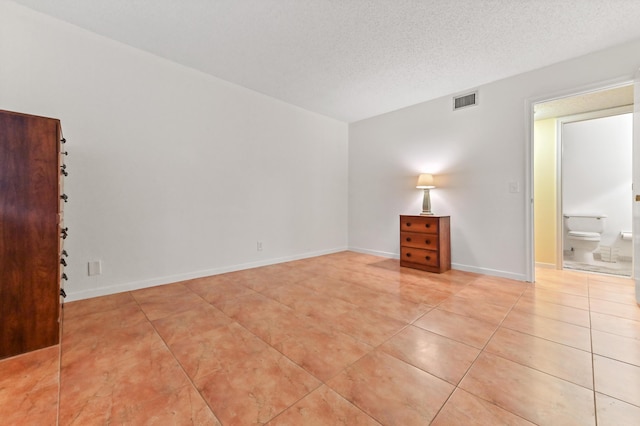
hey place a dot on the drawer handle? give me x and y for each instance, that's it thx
(408, 239)
(428, 257)
(427, 241)
(408, 254)
(408, 223)
(427, 225)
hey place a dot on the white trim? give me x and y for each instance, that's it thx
(375, 252)
(137, 285)
(529, 120)
(488, 271)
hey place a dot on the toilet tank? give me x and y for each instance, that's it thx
(585, 222)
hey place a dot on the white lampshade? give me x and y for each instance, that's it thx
(425, 180)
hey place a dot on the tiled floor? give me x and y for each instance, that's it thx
(346, 339)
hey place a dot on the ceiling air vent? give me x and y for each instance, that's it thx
(470, 99)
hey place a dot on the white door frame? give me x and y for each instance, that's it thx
(529, 201)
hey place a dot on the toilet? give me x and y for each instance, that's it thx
(583, 233)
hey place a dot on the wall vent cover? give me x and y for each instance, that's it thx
(470, 99)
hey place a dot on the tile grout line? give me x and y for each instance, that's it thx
(189, 378)
(482, 351)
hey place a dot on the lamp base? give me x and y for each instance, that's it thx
(426, 204)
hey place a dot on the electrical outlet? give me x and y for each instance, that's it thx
(95, 268)
(259, 245)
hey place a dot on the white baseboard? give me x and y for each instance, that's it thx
(375, 252)
(137, 285)
(488, 271)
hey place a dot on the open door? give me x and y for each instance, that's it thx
(636, 183)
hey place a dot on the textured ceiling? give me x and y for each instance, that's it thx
(353, 59)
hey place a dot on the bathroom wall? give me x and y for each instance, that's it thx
(597, 173)
(545, 192)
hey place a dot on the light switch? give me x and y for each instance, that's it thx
(95, 268)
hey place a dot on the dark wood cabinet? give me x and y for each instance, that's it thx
(425, 243)
(30, 232)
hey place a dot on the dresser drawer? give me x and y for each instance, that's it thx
(418, 240)
(420, 256)
(424, 224)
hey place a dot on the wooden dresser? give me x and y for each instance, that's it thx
(31, 232)
(425, 243)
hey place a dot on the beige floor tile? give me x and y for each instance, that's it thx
(617, 379)
(550, 329)
(613, 412)
(389, 343)
(565, 362)
(620, 348)
(467, 330)
(486, 312)
(615, 325)
(554, 311)
(437, 355)
(466, 409)
(529, 393)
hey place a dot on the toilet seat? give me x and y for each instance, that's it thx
(584, 236)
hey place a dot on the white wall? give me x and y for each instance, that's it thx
(172, 173)
(474, 153)
(597, 174)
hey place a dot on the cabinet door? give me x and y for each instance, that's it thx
(29, 233)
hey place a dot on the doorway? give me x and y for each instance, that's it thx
(575, 181)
